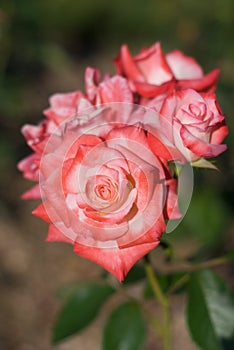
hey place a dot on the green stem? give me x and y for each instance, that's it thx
(180, 283)
(164, 302)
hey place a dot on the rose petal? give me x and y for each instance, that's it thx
(114, 216)
(199, 147)
(219, 133)
(147, 226)
(60, 114)
(162, 149)
(171, 210)
(36, 136)
(207, 83)
(126, 65)
(33, 193)
(41, 212)
(55, 200)
(152, 63)
(115, 89)
(92, 77)
(29, 167)
(116, 261)
(69, 99)
(150, 90)
(54, 235)
(182, 66)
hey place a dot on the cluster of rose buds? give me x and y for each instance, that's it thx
(101, 157)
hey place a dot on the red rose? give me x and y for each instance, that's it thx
(152, 73)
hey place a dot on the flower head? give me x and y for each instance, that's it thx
(102, 163)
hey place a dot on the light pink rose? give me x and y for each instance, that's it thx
(109, 196)
(193, 123)
(64, 106)
(151, 72)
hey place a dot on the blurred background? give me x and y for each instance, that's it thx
(44, 48)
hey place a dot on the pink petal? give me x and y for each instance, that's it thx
(54, 235)
(36, 135)
(60, 114)
(33, 193)
(147, 226)
(117, 261)
(114, 216)
(183, 67)
(155, 103)
(219, 133)
(144, 189)
(188, 96)
(126, 65)
(207, 83)
(172, 208)
(69, 99)
(84, 105)
(160, 149)
(115, 89)
(153, 65)
(92, 78)
(29, 167)
(63, 106)
(127, 134)
(153, 234)
(150, 90)
(31, 132)
(91, 159)
(41, 212)
(55, 202)
(199, 147)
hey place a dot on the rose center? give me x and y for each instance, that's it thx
(106, 191)
(198, 111)
(103, 192)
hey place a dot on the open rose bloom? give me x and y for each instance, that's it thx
(101, 162)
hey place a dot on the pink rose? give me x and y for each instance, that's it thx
(108, 195)
(36, 137)
(64, 106)
(151, 72)
(101, 163)
(193, 123)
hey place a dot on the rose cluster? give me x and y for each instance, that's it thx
(101, 158)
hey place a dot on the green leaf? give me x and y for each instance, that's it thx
(82, 304)
(210, 311)
(125, 328)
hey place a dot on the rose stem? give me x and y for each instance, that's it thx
(163, 301)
